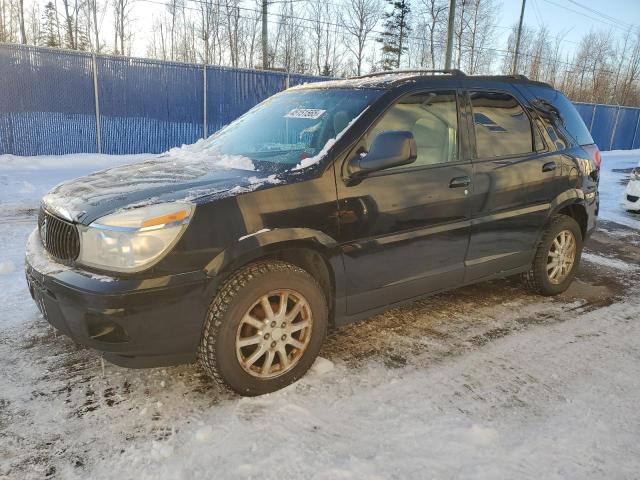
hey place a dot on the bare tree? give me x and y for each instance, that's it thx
(632, 71)
(359, 18)
(94, 11)
(23, 31)
(435, 13)
(209, 11)
(232, 14)
(122, 19)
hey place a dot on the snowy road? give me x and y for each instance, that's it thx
(486, 381)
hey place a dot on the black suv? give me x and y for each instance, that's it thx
(320, 206)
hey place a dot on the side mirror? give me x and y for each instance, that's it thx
(389, 149)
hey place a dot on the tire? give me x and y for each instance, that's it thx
(240, 314)
(538, 278)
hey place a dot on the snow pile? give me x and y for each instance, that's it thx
(201, 153)
(608, 262)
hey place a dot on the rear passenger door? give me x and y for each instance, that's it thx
(514, 181)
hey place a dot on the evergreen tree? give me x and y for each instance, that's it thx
(394, 36)
(49, 35)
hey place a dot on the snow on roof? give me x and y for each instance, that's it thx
(377, 81)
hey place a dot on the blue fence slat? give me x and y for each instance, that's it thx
(586, 112)
(603, 123)
(627, 122)
(231, 92)
(148, 106)
(46, 102)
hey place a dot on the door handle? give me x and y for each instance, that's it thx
(549, 167)
(459, 182)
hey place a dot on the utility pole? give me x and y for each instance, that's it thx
(265, 36)
(517, 51)
(452, 17)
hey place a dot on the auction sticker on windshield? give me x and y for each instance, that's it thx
(311, 113)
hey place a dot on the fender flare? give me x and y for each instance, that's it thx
(571, 196)
(264, 242)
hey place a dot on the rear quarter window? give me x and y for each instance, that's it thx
(571, 120)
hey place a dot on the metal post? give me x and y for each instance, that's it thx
(593, 117)
(205, 126)
(265, 36)
(449, 52)
(286, 81)
(97, 102)
(633, 140)
(517, 50)
(615, 126)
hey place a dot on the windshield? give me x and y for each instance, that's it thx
(291, 126)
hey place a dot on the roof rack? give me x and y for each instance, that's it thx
(418, 71)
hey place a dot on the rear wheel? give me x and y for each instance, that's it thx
(264, 329)
(557, 257)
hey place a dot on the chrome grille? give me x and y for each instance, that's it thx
(59, 237)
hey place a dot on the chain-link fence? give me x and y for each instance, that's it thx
(55, 102)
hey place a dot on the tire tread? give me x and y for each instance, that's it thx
(220, 304)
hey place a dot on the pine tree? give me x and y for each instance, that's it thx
(394, 36)
(49, 35)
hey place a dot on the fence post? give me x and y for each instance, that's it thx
(615, 126)
(97, 101)
(635, 131)
(205, 127)
(593, 117)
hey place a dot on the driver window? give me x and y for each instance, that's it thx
(432, 118)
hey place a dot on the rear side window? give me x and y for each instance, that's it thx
(570, 118)
(501, 125)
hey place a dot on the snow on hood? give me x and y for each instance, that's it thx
(187, 173)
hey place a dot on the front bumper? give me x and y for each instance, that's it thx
(133, 322)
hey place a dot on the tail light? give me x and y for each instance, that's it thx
(594, 153)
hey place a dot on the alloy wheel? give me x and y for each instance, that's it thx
(561, 256)
(274, 333)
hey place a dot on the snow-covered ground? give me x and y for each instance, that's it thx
(487, 381)
(25, 180)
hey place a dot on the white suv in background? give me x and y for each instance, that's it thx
(631, 199)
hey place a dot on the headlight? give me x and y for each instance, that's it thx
(635, 173)
(132, 240)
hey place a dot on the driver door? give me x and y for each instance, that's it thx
(404, 231)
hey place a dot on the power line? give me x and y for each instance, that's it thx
(604, 15)
(578, 12)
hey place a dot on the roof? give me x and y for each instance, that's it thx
(393, 78)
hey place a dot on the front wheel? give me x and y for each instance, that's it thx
(264, 329)
(557, 257)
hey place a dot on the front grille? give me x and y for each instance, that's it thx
(632, 198)
(59, 237)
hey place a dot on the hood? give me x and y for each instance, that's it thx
(168, 177)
